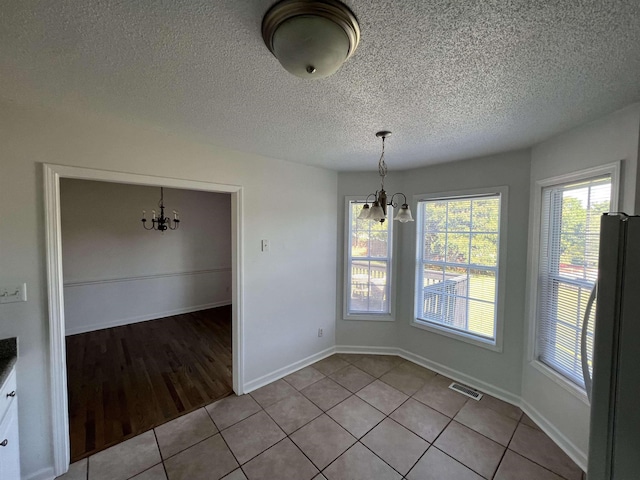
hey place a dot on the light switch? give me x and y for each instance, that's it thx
(17, 293)
(265, 245)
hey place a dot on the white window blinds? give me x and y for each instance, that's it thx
(457, 277)
(568, 270)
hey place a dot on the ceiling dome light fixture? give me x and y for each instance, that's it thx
(378, 211)
(311, 38)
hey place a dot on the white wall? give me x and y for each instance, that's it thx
(612, 138)
(116, 273)
(288, 293)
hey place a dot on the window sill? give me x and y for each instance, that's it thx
(463, 337)
(369, 317)
(569, 386)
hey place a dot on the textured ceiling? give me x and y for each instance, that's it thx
(451, 79)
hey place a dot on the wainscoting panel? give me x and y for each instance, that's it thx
(96, 304)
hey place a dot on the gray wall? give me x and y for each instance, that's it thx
(502, 370)
(116, 273)
(607, 140)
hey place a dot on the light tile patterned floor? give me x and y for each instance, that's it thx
(345, 417)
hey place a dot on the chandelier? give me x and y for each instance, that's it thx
(378, 211)
(160, 223)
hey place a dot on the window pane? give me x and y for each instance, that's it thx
(484, 249)
(459, 216)
(458, 248)
(486, 215)
(360, 244)
(434, 246)
(481, 315)
(368, 269)
(435, 214)
(378, 241)
(369, 286)
(482, 285)
(458, 234)
(432, 274)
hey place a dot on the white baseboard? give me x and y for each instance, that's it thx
(366, 350)
(461, 377)
(436, 367)
(576, 454)
(144, 318)
(43, 474)
(284, 371)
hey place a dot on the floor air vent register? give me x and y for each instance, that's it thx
(464, 390)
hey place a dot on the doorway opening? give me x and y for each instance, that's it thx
(53, 174)
(147, 312)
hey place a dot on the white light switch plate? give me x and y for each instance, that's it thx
(16, 293)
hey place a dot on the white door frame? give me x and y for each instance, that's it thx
(57, 354)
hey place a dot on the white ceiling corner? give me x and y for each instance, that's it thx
(451, 79)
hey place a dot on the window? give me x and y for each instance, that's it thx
(458, 257)
(568, 269)
(368, 273)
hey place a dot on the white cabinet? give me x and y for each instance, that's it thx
(9, 451)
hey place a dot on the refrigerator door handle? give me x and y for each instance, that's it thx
(583, 342)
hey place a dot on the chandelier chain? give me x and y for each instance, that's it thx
(382, 165)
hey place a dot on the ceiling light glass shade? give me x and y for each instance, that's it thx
(377, 213)
(310, 47)
(311, 39)
(365, 212)
(404, 214)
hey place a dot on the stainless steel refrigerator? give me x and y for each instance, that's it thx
(614, 441)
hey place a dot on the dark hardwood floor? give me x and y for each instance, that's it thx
(122, 381)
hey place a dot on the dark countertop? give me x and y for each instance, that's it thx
(8, 357)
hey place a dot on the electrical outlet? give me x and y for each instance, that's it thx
(320, 332)
(12, 294)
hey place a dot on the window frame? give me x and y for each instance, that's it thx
(490, 344)
(533, 281)
(391, 279)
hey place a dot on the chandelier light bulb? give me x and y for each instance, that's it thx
(365, 212)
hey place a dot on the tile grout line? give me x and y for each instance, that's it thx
(358, 440)
(531, 460)
(506, 448)
(231, 451)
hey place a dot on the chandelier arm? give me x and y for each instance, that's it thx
(144, 224)
(374, 195)
(394, 205)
